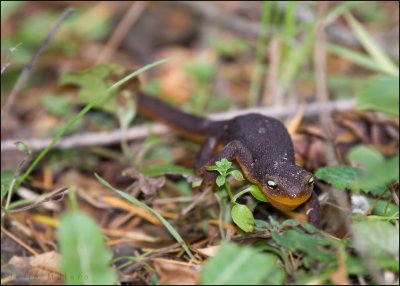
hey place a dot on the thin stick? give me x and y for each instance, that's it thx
(258, 69)
(19, 241)
(272, 94)
(123, 27)
(321, 85)
(27, 71)
(143, 131)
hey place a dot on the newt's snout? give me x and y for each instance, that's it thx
(288, 187)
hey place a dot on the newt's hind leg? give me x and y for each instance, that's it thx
(232, 151)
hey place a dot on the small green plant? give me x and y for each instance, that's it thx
(241, 214)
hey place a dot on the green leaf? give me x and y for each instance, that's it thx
(365, 156)
(213, 168)
(378, 171)
(384, 208)
(220, 180)
(294, 222)
(126, 112)
(138, 203)
(224, 165)
(98, 98)
(237, 175)
(379, 240)
(380, 93)
(160, 170)
(6, 178)
(202, 72)
(22, 147)
(257, 193)
(296, 240)
(243, 217)
(234, 265)
(381, 174)
(59, 105)
(92, 82)
(341, 177)
(229, 48)
(84, 258)
(370, 45)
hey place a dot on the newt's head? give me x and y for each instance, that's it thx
(287, 186)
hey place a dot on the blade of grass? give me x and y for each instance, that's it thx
(297, 57)
(338, 10)
(354, 56)
(89, 106)
(138, 203)
(255, 85)
(380, 58)
(290, 20)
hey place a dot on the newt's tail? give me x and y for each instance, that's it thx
(194, 127)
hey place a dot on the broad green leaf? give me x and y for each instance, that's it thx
(243, 217)
(370, 45)
(160, 170)
(379, 240)
(138, 203)
(220, 180)
(365, 156)
(378, 172)
(235, 265)
(84, 258)
(257, 193)
(384, 208)
(380, 93)
(296, 240)
(381, 174)
(354, 265)
(341, 177)
(237, 175)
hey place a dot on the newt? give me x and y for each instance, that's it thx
(261, 145)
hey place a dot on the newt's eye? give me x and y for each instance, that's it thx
(272, 185)
(311, 181)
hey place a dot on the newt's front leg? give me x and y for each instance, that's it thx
(232, 151)
(204, 155)
(312, 209)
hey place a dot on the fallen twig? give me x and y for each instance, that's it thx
(140, 132)
(123, 27)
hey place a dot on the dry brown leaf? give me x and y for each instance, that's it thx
(339, 277)
(40, 269)
(208, 251)
(173, 272)
(119, 203)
